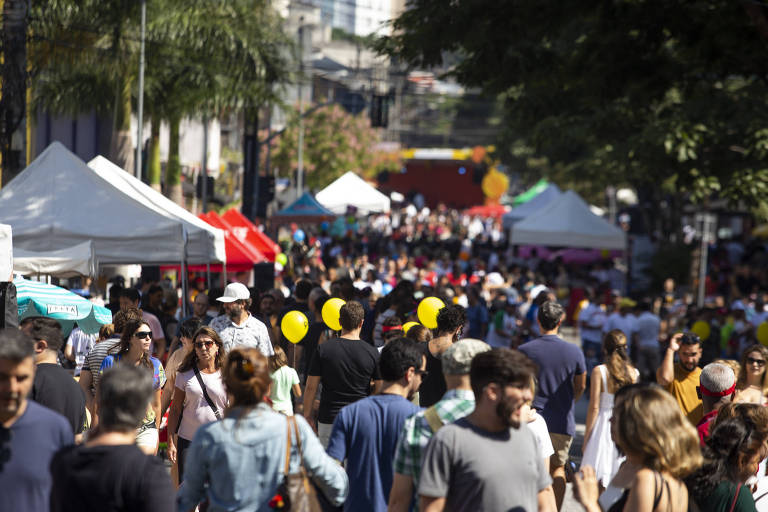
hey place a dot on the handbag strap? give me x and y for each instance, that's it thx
(287, 445)
(205, 393)
(735, 498)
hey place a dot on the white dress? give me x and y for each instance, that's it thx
(601, 453)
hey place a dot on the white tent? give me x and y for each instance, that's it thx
(204, 243)
(568, 222)
(518, 213)
(58, 201)
(6, 253)
(351, 190)
(78, 260)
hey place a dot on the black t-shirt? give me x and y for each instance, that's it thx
(310, 343)
(55, 389)
(109, 479)
(346, 368)
(433, 386)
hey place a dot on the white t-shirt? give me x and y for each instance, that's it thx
(197, 412)
(81, 344)
(540, 431)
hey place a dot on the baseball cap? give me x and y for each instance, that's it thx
(233, 292)
(458, 358)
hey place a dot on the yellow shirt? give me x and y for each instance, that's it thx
(683, 388)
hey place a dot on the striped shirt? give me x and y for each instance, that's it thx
(96, 356)
(455, 404)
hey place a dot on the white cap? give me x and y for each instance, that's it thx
(235, 291)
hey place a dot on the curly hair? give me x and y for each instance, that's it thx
(730, 445)
(650, 425)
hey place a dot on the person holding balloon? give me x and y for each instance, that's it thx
(449, 322)
(752, 384)
(345, 366)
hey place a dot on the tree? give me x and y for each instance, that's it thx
(668, 96)
(84, 58)
(334, 142)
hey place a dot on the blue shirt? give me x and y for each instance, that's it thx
(26, 450)
(559, 362)
(238, 463)
(366, 433)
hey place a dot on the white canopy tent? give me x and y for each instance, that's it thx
(78, 260)
(204, 244)
(6, 253)
(568, 222)
(351, 190)
(58, 201)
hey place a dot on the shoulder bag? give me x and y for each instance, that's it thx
(205, 394)
(296, 493)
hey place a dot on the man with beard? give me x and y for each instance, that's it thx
(237, 327)
(366, 432)
(486, 461)
(30, 433)
(682, 378)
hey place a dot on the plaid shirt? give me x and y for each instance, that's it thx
(455, 404)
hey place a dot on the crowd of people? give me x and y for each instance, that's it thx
(477, 413)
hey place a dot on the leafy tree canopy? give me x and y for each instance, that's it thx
(639, 92)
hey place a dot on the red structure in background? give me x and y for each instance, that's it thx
(488, 210)
(247, 230)
(455, 183)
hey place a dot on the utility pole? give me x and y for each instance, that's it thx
(706, 225)
(251, 172)
(204, 166)
(300, 156)
(140, 129)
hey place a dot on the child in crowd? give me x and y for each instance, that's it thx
(284, 379)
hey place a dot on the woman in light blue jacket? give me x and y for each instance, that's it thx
(238, 463)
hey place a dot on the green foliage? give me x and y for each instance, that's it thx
(334, 142)
(638, 92)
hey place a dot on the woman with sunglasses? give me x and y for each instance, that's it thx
(134, 350)
(199, 396)
(752, 384)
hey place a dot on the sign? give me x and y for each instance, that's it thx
(67, 309)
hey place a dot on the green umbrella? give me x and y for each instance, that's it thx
(40, 299)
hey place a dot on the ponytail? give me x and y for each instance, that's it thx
(616, 358)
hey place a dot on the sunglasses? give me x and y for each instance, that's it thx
(206, 344)
(143, 335)
(423, 373)
(758, 362)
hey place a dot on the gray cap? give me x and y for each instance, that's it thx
(458, 358)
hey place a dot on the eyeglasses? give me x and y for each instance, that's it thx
(143, 335)
(758, 362)
(207, 344)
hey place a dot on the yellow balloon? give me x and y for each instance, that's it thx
(427, 311)
(701, 329)
(408, 325)
(762, 333)
(294, 326)
(330, 313)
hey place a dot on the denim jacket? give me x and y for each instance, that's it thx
(238, 465)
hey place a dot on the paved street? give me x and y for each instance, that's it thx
(570, 504)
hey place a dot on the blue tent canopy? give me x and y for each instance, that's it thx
(535, 204)
(304, 209)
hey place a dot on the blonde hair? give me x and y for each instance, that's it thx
(741, 381)
(278, 360)
(651, 426)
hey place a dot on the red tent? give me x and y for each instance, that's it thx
(245, 229)
(241, 256)
(487, 210)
